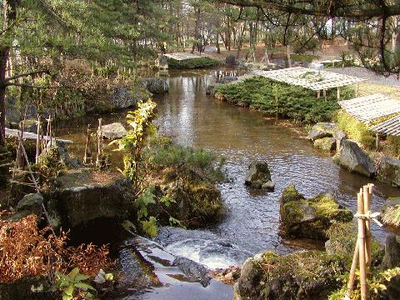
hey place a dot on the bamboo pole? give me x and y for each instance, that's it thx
(367, 205)
(361, 246)
(352, 277)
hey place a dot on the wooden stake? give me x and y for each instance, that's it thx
(99, 144)
(353, 269)
(88, 153)
(367, 205)
(318, 94)
(361, 246)
(338, 93)
(37, 139)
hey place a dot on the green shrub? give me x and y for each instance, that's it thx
(192, 63)
(184, 162)
(393, 145)
(355, 130)
(290, 101)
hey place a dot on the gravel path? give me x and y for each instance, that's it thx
(367, 74)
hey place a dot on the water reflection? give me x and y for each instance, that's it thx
(241, 135)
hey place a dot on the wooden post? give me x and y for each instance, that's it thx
(318, 94)
(377, 141)
(361, 246)
(325, 94)
(88, 153)
(37, 139)
(338, 93)
(99, 144)
(51, 131)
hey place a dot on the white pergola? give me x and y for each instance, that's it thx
(184, 55)
(369, 108)
(311, 79)
(391, 126)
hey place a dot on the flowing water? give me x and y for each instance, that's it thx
(240, 135)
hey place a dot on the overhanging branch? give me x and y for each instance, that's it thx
(8, 79)
(372, 10)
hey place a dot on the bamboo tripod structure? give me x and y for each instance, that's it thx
(362, 252)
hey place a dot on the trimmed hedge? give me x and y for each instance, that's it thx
(192, 63)
(272, 97)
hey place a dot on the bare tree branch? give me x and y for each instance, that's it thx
(26, 74)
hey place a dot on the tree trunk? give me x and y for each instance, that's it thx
(289, 60)
(218, 47)
(10, 15)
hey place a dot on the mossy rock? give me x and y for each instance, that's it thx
(301, 275)
(197, 204)
(310, 218)
(35, 288)
(325, 144)
(322, 130)
(389, 171)
(290, 194)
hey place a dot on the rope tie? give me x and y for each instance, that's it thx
(370, 216)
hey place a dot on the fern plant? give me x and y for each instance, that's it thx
(72, 284)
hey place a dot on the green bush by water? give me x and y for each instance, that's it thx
(355, 130)
(187, 162)
(192, 63)
(289, 101)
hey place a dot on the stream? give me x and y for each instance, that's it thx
(241, 135)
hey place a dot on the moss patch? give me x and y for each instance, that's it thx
(325, 144)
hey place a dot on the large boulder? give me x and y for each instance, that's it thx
(389, 171)
(124, 97)
(30, 204)
(351, 157)
(114, 131)
(231, 60)
(301, 275)
(35, 288)
(81, 198)
(391, 259)
(322, 130)
(259, 176)
(156, 85)
(310, 218)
